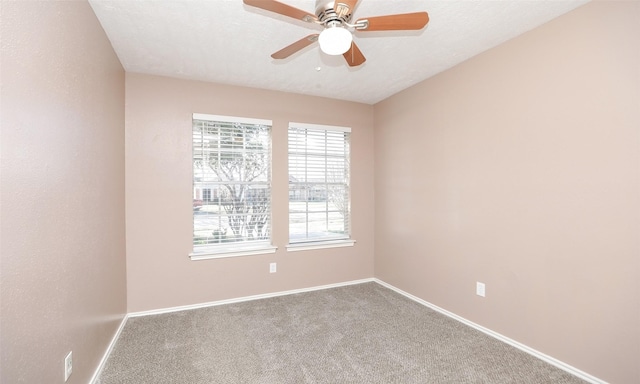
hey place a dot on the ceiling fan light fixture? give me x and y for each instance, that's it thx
(335, 40)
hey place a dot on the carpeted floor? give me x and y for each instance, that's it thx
(361, 333)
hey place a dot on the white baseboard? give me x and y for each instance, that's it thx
(555, 362)
(246, 298)
(112, 343)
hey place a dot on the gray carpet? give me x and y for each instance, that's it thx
(362, 333)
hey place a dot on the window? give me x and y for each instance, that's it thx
(318, 184)
(231, 186)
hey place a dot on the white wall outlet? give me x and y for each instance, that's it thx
(273, 268)
(68, 366)
(480, 291)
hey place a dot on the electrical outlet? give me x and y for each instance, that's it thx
(272, 268)
(68, 366)
(480, 291)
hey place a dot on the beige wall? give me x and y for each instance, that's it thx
(158, 192)
(62, 273)
(520, 168)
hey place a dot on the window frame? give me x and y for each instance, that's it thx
(320, 242)
(242, 248)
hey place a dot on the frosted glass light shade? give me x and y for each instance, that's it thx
(335, 40)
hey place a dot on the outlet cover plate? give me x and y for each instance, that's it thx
(68, 365)
(273, 268)
(480, 289)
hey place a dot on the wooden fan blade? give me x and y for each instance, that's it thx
(400, 22)
(344, 7)
(295, 47)
(354, 56)
(283, 9)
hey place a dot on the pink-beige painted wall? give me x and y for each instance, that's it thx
(520, 168)
(159, 194)
(63, 280)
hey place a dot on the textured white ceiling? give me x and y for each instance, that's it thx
(225, 41)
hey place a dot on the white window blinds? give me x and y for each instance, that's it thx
(318, 183)
(231, 181)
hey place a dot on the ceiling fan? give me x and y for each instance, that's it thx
(335, 17)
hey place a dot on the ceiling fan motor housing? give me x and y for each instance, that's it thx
(327, 14)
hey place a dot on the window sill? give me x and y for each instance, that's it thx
(232, 252)
(294, 247)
